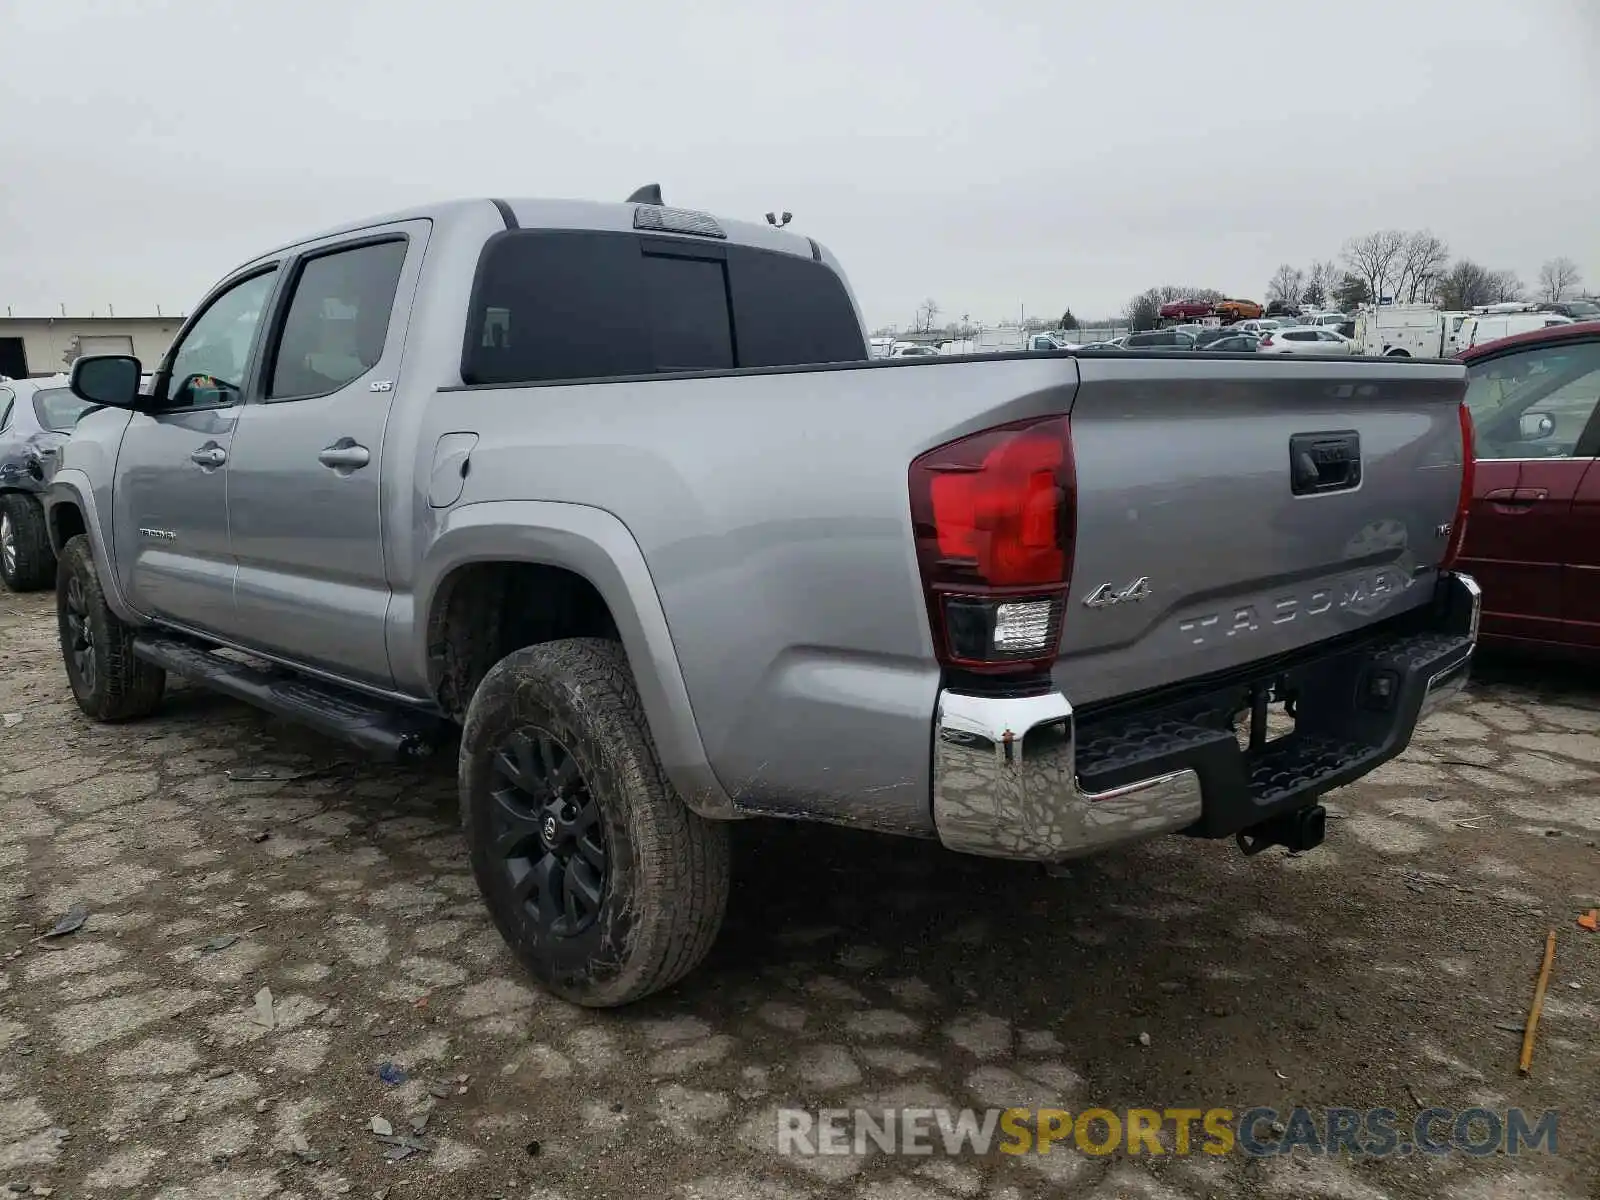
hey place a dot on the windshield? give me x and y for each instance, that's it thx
(1582, 308)
(58, 408)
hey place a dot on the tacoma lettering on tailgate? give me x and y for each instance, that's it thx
(1364, 592)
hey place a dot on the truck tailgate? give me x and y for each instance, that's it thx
(1188, 472)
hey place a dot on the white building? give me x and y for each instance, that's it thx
(40, 345)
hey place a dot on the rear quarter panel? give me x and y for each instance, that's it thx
(773, 513)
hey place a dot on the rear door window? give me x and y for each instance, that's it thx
(571, 304)
(338, 320)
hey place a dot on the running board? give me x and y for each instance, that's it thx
(390, 732)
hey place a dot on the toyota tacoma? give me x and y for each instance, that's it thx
(616, 491)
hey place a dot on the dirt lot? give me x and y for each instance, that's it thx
(1390, 968)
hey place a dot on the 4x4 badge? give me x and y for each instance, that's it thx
(1106, 594)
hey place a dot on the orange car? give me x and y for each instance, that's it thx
(1237, 310)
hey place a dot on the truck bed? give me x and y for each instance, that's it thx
(771, 507)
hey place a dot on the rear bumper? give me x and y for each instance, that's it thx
(1028, 778)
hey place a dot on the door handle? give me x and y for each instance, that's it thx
(345, 455)
(1516, 500)
(209, 457)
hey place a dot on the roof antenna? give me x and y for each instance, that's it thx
(650, 193)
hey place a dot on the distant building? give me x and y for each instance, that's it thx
(40, 345)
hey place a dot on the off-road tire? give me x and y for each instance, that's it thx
(119, 687)
(31, 565)
(666, 885)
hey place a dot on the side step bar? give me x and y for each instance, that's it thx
(390, 732)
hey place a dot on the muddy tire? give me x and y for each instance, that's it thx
(27, 563)
(108, 682)
(596, 873)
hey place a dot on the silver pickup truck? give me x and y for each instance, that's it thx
(616, 490)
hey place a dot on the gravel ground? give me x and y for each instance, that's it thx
(1391, 968)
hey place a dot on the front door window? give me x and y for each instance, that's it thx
(207, 368)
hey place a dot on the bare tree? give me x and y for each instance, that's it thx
(1286, 286)
(927, 315)
(1507, 285)
(1556, 276)
(1466, 285)
(1375, 259)
(1423, 257)
(73, 352)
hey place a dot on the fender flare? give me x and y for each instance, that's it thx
(596, 545)
(72, 487)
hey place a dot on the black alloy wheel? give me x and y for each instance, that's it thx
(77, 634)
(548, 832)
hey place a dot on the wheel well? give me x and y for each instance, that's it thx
(1398, 353)
(484, 611)
(66, 523)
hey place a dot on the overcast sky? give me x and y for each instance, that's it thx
(1041, 155)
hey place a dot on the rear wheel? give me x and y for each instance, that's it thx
(108, 681)
(598, 876)
(26, 561)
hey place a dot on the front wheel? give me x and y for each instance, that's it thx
(108, 681)
(26, 561)
(598, 876)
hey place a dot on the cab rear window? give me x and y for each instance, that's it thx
(553, 305)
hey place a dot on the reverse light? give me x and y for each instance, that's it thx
(994, 516)
(1469, 454)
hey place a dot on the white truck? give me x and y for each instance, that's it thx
(1493, 321)
(1407, 331)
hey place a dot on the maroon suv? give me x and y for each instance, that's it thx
(1533, 532)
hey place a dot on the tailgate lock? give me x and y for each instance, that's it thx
(1324, 462)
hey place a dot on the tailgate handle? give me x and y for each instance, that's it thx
(1324, 462)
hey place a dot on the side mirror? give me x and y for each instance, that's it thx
(108, 380)
(1536, 426)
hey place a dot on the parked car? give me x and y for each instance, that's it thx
(1331, 319)
(36, 417)
(1114, 344)
(1578, 310)
(504, 465)
(1260, 325)
(1533, 536)
(1235, 343)
(1237, 310)
(1184, 310)
(1305, 339)
(1160, 339)
(913, 350)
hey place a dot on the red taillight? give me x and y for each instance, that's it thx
(994, 518)
(1266, 339)
(1458, 527)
